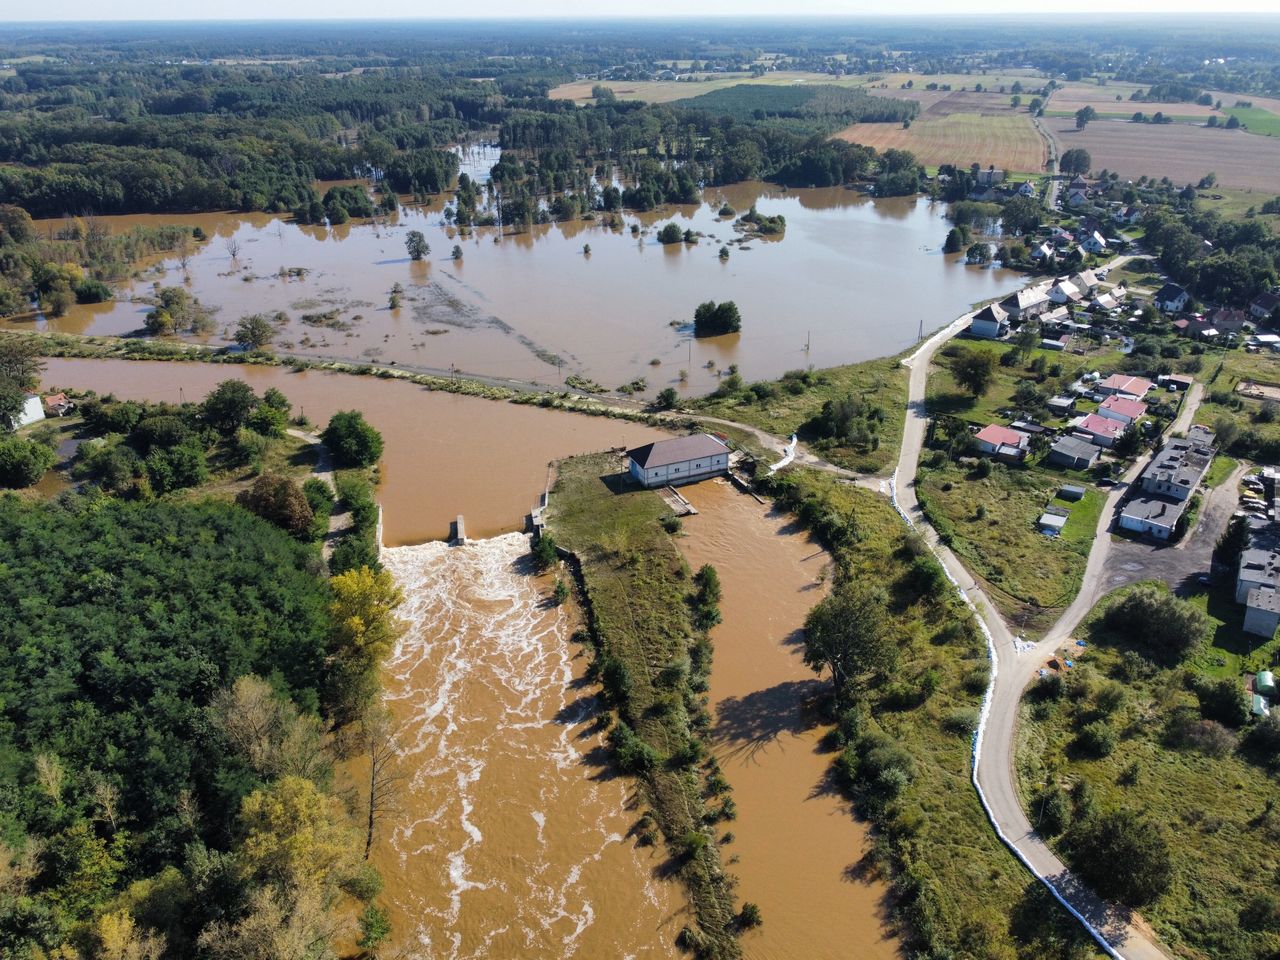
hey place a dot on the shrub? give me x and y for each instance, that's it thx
(23, 462)
(1051, 811)
(671, 233)
(280, 501)
(545, 555)
(632, 754)
(1167, 626)
(749, 916)
(1122, 856)
(1098, 738)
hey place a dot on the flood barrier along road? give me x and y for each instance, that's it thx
(1120, 933)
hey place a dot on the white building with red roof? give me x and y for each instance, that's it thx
(1004, 442)
(1101, 430)
(1122, 383)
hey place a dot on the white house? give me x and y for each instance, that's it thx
(1171, 298)
(32, 410)
(1264, 305)
(1153, 516)
(1128, 215)
(1095, 243)
(680, 460)
(990, 323)
(1064, 291)
(1027, 189)
(1002, 442)
(1026, 303)
(1044, 251)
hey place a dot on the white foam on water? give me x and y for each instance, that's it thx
(483, 682)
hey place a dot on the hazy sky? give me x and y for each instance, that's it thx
(323, 9)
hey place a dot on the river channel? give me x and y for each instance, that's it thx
(852, 278)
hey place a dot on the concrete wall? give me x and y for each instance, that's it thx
(682, 472)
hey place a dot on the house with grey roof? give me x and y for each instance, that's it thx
(1180, 465)
(1152, 516)
(990, 323)
(1074, 453)
(679, 460)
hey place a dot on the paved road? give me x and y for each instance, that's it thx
(1014, 667)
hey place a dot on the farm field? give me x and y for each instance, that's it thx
(1074, 96)
(1182, 152)
(884, 85)
(1008, 141)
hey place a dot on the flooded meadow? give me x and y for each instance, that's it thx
(851, 278)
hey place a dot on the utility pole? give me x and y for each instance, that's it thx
(808, 339)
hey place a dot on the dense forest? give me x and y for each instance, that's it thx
(167, 683)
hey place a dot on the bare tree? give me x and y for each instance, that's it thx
(51, 775)
(233, 247)
(106, 799)
(386, 779)
(184, 253)
(269, 733)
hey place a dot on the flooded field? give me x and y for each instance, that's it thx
(510, 837)
(445, 454)
(798, 852)
(853, 278)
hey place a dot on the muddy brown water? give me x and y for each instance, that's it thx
(445, 454)
(853, 278)
(511, 837)
(798, 850)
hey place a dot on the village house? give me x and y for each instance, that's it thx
(1171, 298)
(1127, 215)
(1026, 303)
(679, 460)
(1154, 517)
(1061, 406)
(1077, 192)
(58, 405)
(990, 323)
(31, 412)
(990, 177)
(1227, 320)
(1175, 381)
(1003, 443)
(1180, 465)
(1095, 243)
(1122, 383)
(1064, 291)
(1043, 252)
(1026, 189)
(1074, 453)
(1264, 305)
(1086, 281)
(1101, 430)
(1121, 408)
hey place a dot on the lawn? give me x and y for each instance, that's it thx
(1251, 416)
(990, 523)
(637, 589)
(1008, 140)
(944, 396)
(1219, 470)
(881, 382)
(1217, 808)
(1139, 272)
(1236, 204)
(960, 889)
(1257, 120)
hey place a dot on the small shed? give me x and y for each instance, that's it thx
(1260, 706)
(1265, 683)
(1071, 492)
(1051, 524)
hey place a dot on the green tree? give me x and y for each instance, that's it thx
(954, 242)
(847, 633)
(1075, 161)
(354, 442)
(23, 462)
(416, 245)
(671, 233)
(712, 319)
(1021, 215)
(974, 370)
(1123, 857)
(544, 553)
(1167, 626)
(667, 398)
(1084, 115)
(228, 406)
(254, 332)
(365, 629)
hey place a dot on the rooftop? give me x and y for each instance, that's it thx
(1260, 598)
(1123, 383)
(1075, 447)
(1125, 407)
(663, 453)
(997, 435)
(1155, 509)
(1096, 423)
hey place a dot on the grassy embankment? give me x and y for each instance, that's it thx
(1218, 807)
(958, 891)
(653, 660)
(790, 404)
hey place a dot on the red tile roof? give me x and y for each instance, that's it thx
(1096, 423)
(1123, 383)
(1125, 407)
(997, 435)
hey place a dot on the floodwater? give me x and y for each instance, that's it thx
(798, 849)
(510, 837)
(852, 279)
(444, 455)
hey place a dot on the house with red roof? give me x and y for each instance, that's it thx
(1101, 430)
(1135, 387)
(1121, 408)
(1002, 442)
